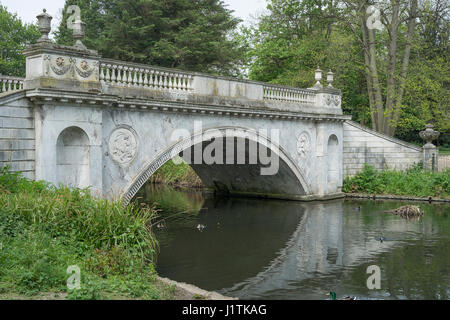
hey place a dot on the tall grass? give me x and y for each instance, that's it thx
(43, 229)
(412, 182)
(75, 214)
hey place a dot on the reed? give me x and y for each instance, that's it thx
(44, 229)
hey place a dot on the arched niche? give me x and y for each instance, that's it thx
(73, 158)
(333, 164)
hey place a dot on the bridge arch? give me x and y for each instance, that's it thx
(289, 177)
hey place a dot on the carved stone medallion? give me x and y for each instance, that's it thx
(84, 65)
(123, 146)
(60, 62)
(304, 145)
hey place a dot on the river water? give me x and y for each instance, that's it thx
(270, 249)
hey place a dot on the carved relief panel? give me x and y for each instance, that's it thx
(71, 68)
(123, 146)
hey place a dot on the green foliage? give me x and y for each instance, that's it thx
(192, 35)
(413, 182)
(14, 36)
(176, 175)
(33, 262)
(288, 43)
(44, 229)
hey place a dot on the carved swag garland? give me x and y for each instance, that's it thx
(60, 67)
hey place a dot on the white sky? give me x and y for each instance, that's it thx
(27, 10)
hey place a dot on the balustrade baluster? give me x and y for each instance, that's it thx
(119, 79)
(129, 79)
(141, 78)
(165, 80)
(102, 74)
(160, 79)
(190, 78)
(180, 82)
(175, 81)
(113, 74)
(151, 80)
(172, 84)
(135, 76)
(183, 79)
(108, 76)
(169, 79)
(145, 83)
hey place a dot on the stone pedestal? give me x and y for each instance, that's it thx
(430, 151)
(430, 157)
(53, 66)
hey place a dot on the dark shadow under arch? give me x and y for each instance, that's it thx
(235, 179)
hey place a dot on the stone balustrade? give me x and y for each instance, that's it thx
(131, 75)
(279, 93)
(8, 83)
(125, 74)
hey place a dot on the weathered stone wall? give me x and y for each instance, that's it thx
(17, 138)
(444, 162)
(363, 145)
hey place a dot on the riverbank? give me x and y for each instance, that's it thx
(176, 290)
(413, 183)
(394, 198)
(47, 234)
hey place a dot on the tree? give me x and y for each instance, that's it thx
(14, 36)
(186, 34)
(427, 95)
(399, 20)
(288, 43)
(394, 79)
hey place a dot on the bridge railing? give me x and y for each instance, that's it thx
(124, 74)
(8, 83)
(280, 93)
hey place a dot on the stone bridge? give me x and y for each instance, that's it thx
(85, 121)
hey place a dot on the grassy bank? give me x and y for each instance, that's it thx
(412, 182)
(44, 230)
(173, 175)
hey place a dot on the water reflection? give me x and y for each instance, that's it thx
(265, 249)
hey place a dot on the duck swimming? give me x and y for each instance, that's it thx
(333, 296)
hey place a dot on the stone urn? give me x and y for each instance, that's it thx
(44, 25)
(429, 135)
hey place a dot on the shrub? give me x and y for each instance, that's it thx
(413, 182)
(44, 229)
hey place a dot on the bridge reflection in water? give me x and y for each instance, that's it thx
(258, 249)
